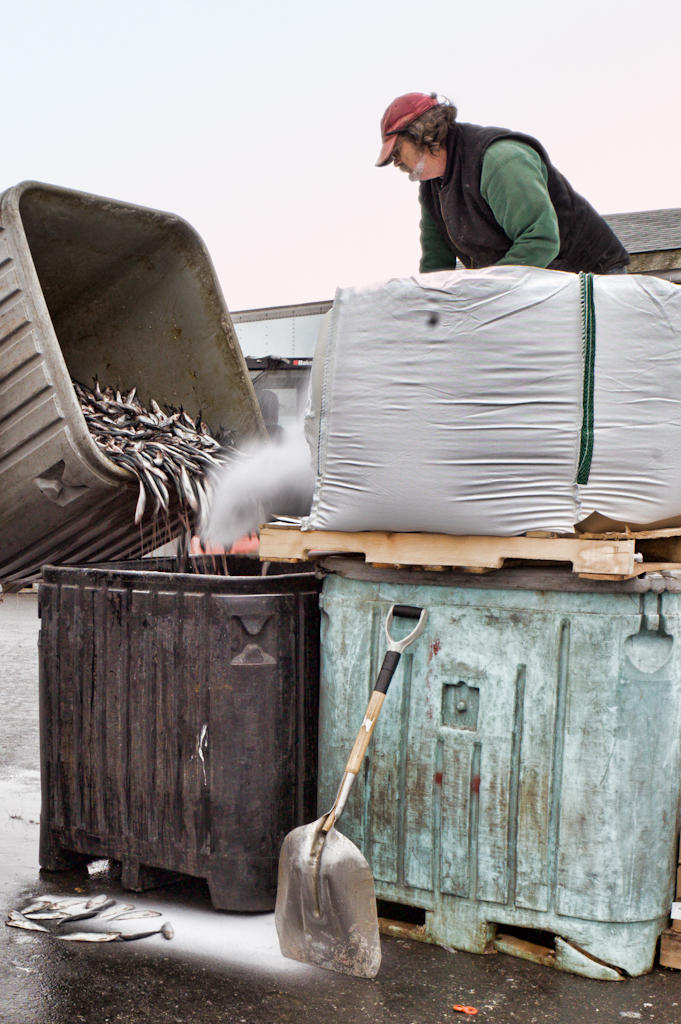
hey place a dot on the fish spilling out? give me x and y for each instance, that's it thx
(51, 915)
(172, 454)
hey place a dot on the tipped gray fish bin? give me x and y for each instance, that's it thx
(94, 287)
(178, 721)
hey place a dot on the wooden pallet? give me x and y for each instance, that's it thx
(670, 949)
(616, 556)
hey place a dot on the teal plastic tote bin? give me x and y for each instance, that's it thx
(522, 790)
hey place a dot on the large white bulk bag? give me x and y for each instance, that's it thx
(498, 401)
(635, 474)
(450, 403)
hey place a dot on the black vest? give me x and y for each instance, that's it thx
(586, 241)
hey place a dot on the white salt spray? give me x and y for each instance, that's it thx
(269, 479)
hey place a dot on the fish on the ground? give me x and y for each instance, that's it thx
(17, 920)
(46, 915)
(166, 930)
(42, 904)
(116, 910)
(56, 912)
(98, 903)
(89, 937)
(67, 910)
(135, 915)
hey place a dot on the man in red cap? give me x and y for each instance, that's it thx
(490, 195)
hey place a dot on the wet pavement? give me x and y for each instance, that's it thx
(227, 967)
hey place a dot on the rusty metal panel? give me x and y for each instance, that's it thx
(526, 770)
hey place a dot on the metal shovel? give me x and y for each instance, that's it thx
(326, 906)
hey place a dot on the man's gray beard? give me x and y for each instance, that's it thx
(415, 175)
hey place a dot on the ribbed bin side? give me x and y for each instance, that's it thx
(178, 723)
(49, 466)
(526, 769)
(93, 287)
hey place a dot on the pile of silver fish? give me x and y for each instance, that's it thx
(50, 915)
(167, 451)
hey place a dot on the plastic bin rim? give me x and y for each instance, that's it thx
(183, 580)
(11, 198)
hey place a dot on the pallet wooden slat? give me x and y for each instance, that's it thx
(670, 949)
(670, 940)
(593, 557)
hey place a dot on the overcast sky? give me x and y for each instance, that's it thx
(258, 122)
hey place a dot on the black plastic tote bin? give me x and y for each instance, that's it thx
(178, 721)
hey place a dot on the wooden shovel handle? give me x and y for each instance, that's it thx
(365, 732)
(354, 762)
(372, 712)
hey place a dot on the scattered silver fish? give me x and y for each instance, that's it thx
(60, 911)
(17, 920)
(165, 930)
(67, 902)
(99, 903)
(46, 915)
(135, 915)
(89, 937)
(82, 915)
(37, 905)
(69, 909)
(116, 910)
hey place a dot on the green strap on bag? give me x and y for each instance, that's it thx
(586, 444)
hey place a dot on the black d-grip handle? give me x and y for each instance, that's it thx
(387, 671)
(407, 611)
(396, 647)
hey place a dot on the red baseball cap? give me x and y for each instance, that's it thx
(398, 116)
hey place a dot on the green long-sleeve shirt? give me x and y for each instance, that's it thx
(513, 182)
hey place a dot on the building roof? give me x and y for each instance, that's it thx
(647, 230)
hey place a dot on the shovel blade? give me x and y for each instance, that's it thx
(325, 912)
